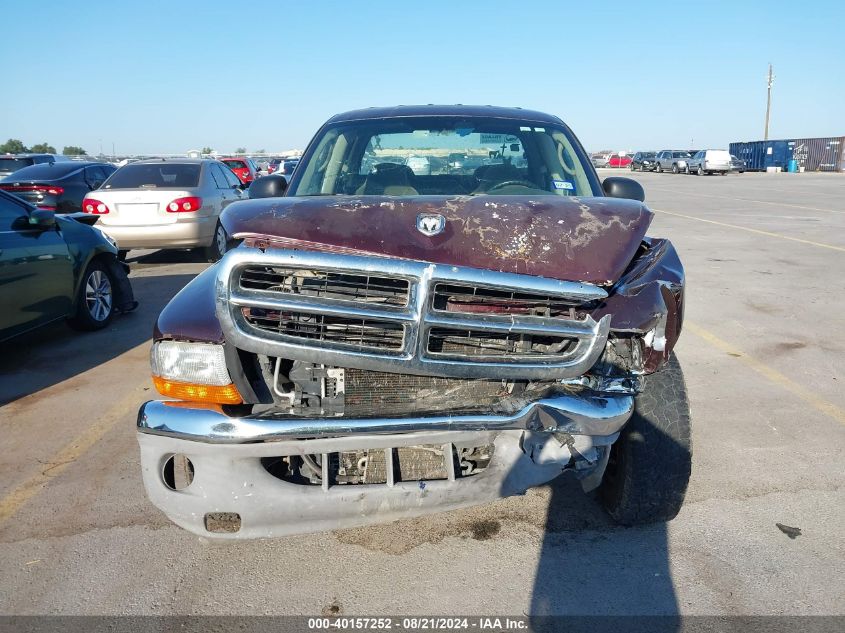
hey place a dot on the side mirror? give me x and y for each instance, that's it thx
(616, 187)
(42, 218)
(271, 186)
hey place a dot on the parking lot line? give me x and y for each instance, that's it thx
(820, 404)
(777, 204)
(750, 230)
(64, 457)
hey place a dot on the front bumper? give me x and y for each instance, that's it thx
(532, 446)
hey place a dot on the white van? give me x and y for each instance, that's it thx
(710, 161)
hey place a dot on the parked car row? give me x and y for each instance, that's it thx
(700, 162)
(612, 159)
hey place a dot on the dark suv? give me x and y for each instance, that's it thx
(10, 163)
(643, 161)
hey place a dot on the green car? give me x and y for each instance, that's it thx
(57, 267)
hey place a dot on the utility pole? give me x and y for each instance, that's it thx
(769, 81)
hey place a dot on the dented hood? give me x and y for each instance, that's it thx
(579, 239)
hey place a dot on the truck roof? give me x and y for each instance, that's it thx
(445, 110)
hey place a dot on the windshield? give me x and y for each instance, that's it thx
(235, 164)
(154, 175)
(442, 156)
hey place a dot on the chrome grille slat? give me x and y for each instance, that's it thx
(341, 330)
(340, 285)
(407, 316)
(526, 325)
(317, 306)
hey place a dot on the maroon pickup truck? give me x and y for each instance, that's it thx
(395, 333)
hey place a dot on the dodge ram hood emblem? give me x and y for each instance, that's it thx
(430, 223)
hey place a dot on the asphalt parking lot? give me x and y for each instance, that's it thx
(764, 358)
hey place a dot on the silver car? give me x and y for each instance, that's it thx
(671, 160)
(166, 203)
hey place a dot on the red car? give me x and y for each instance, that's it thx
(618, 160)
(243, 168)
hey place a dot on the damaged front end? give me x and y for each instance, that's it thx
(374, 388)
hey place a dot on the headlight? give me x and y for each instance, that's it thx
(105, 235)
(193, 371)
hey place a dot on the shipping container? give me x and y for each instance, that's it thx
(812, 154)
(818, 154)
(759, 155)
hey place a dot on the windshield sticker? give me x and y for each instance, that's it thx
(563, 184)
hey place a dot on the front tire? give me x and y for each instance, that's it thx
(219, 244)
(658, 169)
(700, 171)
(650, 464)
(675, 169)
(94, 299)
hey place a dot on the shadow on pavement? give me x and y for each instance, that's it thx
(194, 256)
(589, 568)
(597, 574)
(52, 354)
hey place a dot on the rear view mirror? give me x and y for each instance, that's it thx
(271, 186)
(42, 218)
(627, 188)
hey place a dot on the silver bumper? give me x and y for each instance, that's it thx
(573, 414)
(532, 446)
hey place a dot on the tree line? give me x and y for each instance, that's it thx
(15, 146)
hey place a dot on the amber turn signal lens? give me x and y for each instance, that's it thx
(226, 394)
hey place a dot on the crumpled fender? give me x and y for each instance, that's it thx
(649, 300)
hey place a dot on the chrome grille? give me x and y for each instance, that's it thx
(342, 286)
(496, 345)
(350, 332)
(471, 299)
(404, 316)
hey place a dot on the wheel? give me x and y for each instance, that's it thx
(219, 244)
(632, 168)
(94, 299)
(650, 464)
(686, 170)
(700, 171)
(724, 173)
(658, 169)
(675, 169)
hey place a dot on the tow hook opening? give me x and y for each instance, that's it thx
(177, 472)
(223, 522)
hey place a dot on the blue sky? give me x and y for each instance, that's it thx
(167, 76)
